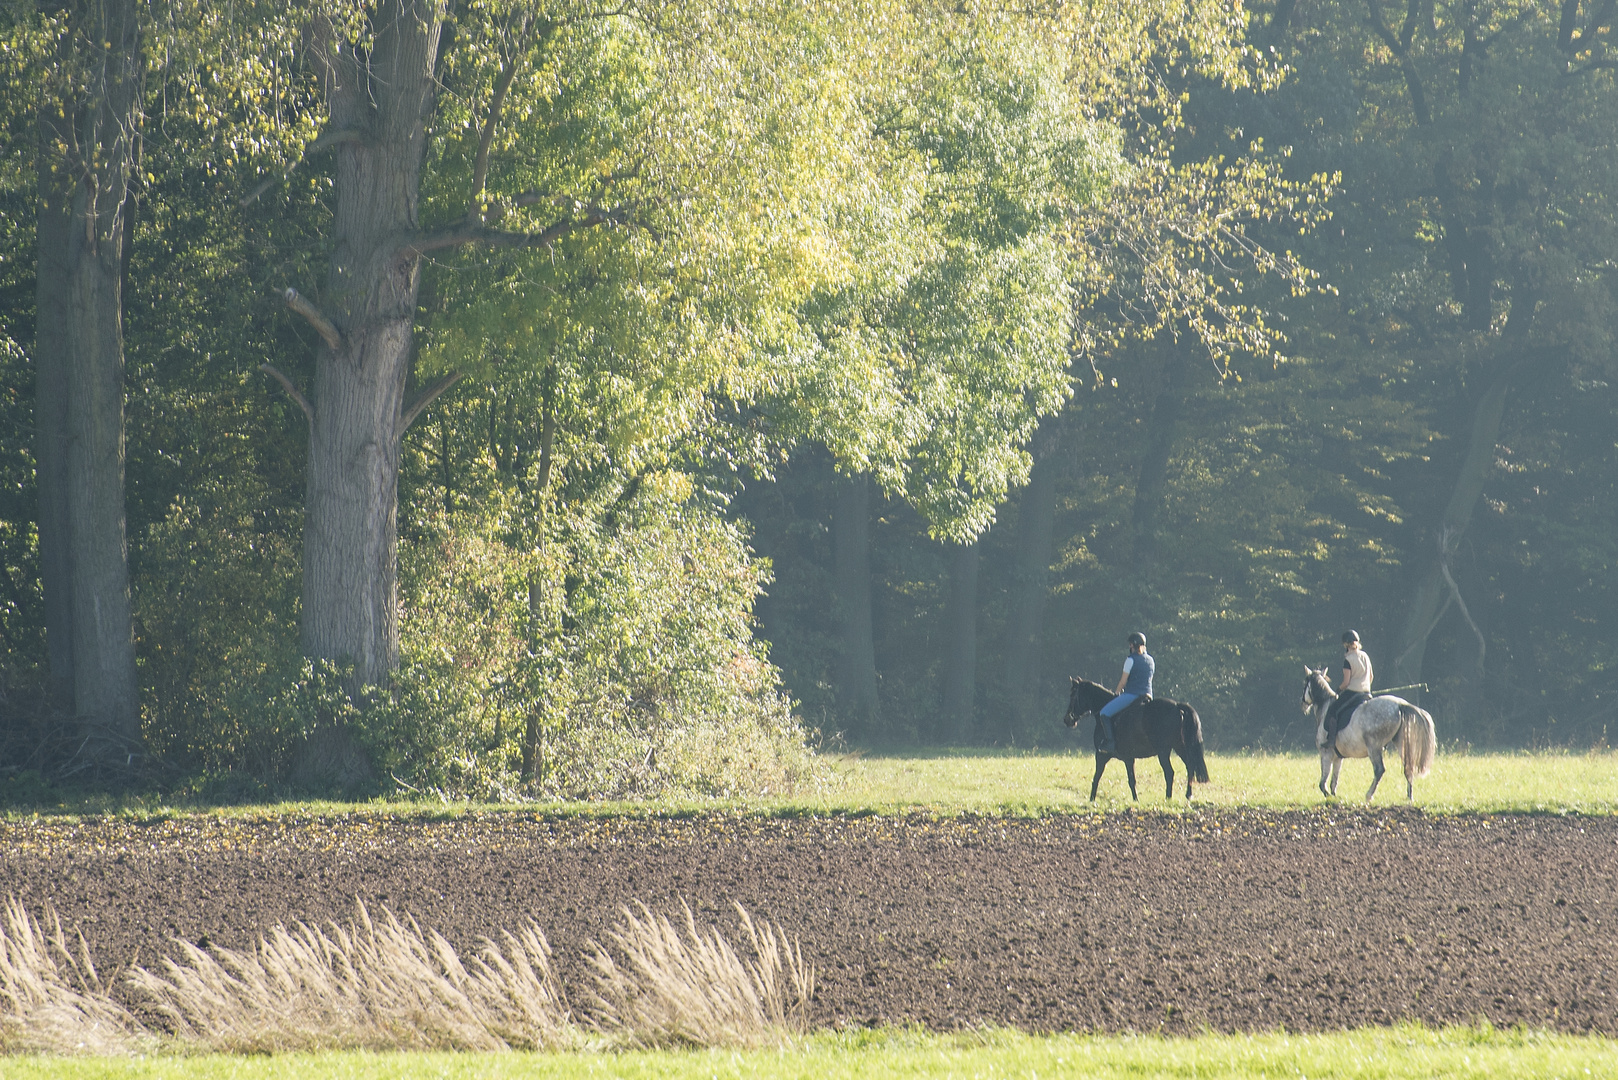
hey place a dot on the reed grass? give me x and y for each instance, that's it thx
(51, 997)
(692, 989)
(371, 985)
(384, 984)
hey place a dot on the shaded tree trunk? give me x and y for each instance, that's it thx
(1163, 430)
(1434, 594)
(1036, 524)
(961, 645)
(851, 544)
(89, 122)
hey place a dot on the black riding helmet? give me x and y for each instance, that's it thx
(1137, 638)
(1349, 635)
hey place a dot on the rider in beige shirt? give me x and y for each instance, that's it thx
(1356, 667)
(1355, 687)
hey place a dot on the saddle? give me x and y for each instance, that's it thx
(1118, 721)
(1341, 713)
(1129, 710)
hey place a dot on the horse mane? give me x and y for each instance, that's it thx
(1318, 680)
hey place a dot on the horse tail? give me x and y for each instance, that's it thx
(1191, 733)
(1420, 741)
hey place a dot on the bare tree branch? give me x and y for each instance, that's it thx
(323, 326)
(467, 233)
(330, 138)
(1446, 544)
(1401, 49)
(1568, 24)
(292, 391)
(426, 398)
(1598, 18)
(480, 165)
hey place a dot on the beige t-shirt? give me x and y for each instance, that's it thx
(1359, 670)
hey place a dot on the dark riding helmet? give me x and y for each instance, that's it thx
(1349, 635)
(1137, 638)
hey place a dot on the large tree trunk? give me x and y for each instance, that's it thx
(53, 307)
(350, 556)
(851, 543)
(961, 645)
(379, 104)
(1036, 525)
(88, 127)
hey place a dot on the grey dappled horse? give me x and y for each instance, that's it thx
(1376, 723)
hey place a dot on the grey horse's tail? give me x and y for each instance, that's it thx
(1420, 741)
(1191, 732)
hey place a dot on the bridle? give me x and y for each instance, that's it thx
(1072, 718)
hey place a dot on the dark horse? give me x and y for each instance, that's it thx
(1149, 730)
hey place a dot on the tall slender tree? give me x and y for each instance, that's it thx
(89, 147)
(856, 662)
(961, 645)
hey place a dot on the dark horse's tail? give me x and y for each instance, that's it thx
(1191, 734)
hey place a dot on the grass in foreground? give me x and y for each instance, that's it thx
(1371, 1054)
(1034, 782)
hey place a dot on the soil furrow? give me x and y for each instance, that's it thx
(1237, 920)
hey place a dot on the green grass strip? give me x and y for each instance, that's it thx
(1371, 1054)
(1034, 783)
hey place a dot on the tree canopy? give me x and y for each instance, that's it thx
(525, 397)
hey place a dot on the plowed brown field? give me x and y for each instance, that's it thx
(1235, 920)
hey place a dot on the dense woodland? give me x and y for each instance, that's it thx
(499, 398)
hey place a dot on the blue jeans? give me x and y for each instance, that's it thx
(1118, 705)
(1108, 711)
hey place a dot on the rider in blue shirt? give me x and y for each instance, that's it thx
(1134, 684)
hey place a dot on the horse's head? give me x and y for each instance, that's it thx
(1083, 699)
(1317, 689)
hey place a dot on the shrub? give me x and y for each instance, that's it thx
(216, 600)
(616, 661)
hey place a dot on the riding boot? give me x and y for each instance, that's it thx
(1109, 744)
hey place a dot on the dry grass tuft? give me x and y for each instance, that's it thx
(51, 999)
(386, 985)
(694, 990)
(370, 985)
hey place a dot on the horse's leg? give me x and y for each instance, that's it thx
(1377, 769)
(1168, 775)
(1101, 764)
(1336, 770)
(1129, 767)
(1325, 771)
